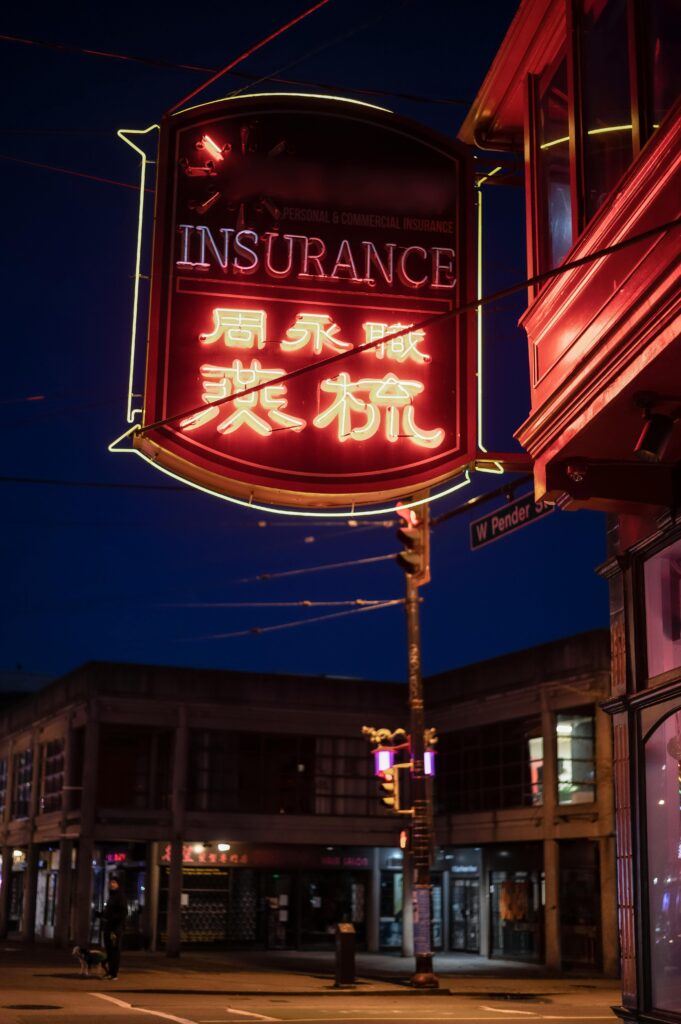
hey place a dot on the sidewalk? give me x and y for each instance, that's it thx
(295, 973)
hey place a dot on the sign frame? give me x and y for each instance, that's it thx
(156, 440)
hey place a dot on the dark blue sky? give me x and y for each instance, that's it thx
(89, 571)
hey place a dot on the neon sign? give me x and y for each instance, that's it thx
(290, 230)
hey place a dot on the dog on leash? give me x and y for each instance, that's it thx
(90, 959)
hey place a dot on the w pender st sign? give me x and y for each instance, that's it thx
(291, 229)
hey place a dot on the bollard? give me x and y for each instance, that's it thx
(345, 955)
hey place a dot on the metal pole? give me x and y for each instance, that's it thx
(421, 820)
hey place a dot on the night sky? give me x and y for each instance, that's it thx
(111, 561)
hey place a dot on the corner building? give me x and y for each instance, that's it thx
(589, 94)
(241, 809)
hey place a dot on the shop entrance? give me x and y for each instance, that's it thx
(465, 922)
(515, 898)
(580, 917)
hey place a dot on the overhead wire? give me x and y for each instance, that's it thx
(354, 602)
(258, 630)
(248, 52)
(317, 568)
(327, 44)
(252, 78)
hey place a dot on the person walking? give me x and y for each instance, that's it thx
(113, 925)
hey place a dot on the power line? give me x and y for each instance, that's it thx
(357, 602)
(257, 630)
(252, 78)
(247, 53)
(75, 174)
(507, 490)
(317, 568)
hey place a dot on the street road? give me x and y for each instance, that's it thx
(41, 985)
(116, 1006)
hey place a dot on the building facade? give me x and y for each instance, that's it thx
(242, 809)
(589, 93)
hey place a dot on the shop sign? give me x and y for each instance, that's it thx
(290, 230)
(190, 855)
(117, 857)
(506, 520)
(334, 861)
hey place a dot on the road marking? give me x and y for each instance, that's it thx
(497, 1009)
(139, 1009)
(247, 1013)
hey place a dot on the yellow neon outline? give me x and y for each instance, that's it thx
(591, 131)
(499, 468)
(121, 133)
(301, 513)
(554, 142)
(314, 95)
(612, 128)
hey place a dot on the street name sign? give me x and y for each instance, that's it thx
(505, 520)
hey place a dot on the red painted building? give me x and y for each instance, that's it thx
(588, 92)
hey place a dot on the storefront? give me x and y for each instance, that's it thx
(46, 893)
(465, 909)
(128, 862)
(273, 897)
(516, 886)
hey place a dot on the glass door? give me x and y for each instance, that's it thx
(465, 906)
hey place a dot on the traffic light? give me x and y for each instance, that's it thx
(390, 789)
(415, 537)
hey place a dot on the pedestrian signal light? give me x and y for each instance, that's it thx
(390, 792)
(404, 839)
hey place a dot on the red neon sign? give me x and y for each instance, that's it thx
(291, 229)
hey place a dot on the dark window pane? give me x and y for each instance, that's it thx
(553, 169)
(606, 99)
(664, 55)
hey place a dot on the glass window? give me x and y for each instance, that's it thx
(52, 776)
(555, 213)
(3, 787)
(576, 757)
(22, 782)
(664, 56)
(662, 581)
(606, 99)
(134, 767)
(490, 767)
(663, 772)
(536, 755)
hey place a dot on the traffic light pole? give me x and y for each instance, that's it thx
(421, 820)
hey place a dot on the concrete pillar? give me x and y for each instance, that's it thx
(407, 906)
(88, 810)
(551, 851)
(606, 845)
(153, 882)
(609, 929)
(62, 927)
(373, 905)
(4, 889)
(27, 926)
(178, 805)
(63, 917)
(552, 908)
(174, 899)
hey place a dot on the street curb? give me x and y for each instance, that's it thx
(290, 993)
